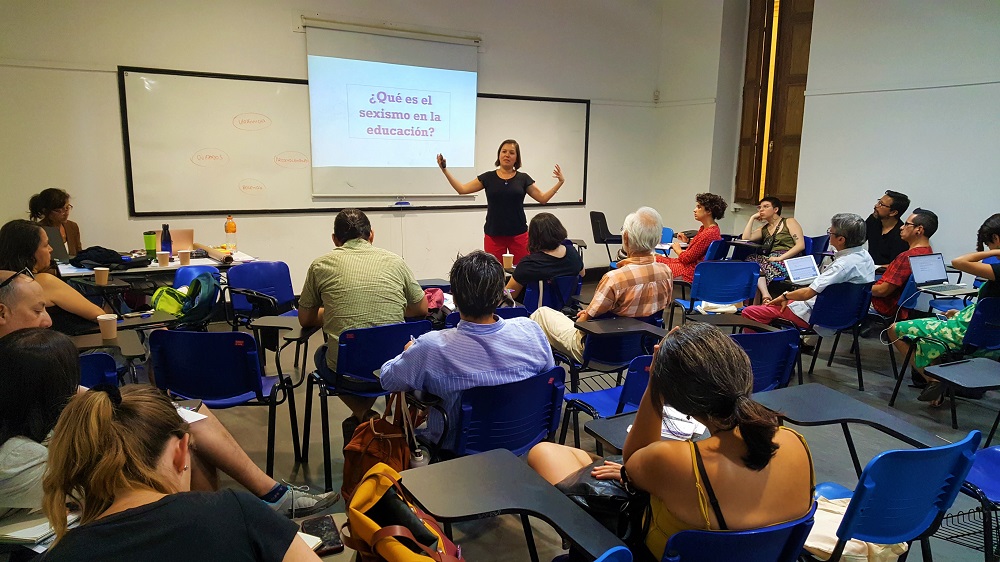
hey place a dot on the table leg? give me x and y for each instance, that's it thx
(531, 540)
(992, 431)
(954, 411)
(852, 449)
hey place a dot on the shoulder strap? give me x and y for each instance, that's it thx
(708, 490)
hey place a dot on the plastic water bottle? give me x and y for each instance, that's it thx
(418, 458)
(230, 234)
(166, 244)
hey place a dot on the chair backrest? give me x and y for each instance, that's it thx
(599, 226)
(985, 473)
(902, 495)
(619, 349)
(556, 293)
(717, 250)
(615, 554)
(841, 305)
(186, 273)
(216, 366)
(725, 282)
(816, 246)
(668, 235)
(634, 386)
(775, 543)
(269, 277)
(907, 297)
(98, 368)
(363, 350)
(506, 313)
(772, 357)
(983, 332)
(515, 416)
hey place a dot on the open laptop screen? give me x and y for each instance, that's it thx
(928, 269)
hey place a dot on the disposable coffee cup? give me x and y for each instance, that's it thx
(101, 275)
(109, 326)
(163, 258)
(508, 261)
(185, 256)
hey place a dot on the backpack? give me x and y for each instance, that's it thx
(194, 307)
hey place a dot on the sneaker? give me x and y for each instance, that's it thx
(297, 502)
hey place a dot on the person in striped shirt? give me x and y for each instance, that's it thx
(483, 350)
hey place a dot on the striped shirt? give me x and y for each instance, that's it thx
(447, 362)
(358, 286)
(641, 288)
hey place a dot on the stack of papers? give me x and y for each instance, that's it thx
(28, 528)
(678, 426)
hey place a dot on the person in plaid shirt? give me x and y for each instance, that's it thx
(641, 286)
(916, 232)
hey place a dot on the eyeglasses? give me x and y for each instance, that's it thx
(832, 233)
(910, 224)
(65, 209)
(879, 203)
(10, 279)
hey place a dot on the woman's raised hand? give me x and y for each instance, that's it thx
(442, 162)
(557, 173)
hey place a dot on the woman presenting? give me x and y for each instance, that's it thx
(506, 226)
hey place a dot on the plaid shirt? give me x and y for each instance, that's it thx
(639, 289)
(898, 273)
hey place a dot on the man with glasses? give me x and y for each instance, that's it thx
(22, 302)
(916, 233)
(883, 226)
(851, 264)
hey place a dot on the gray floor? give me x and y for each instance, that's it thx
(501, 539)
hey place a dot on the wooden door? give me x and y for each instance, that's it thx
(754, 98)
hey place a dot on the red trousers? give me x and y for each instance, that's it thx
(765, 314)
(500, 245)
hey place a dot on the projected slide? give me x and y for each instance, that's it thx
(378, 115)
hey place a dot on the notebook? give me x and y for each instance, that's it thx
(930, 275)
(801, 270)
(28, 528)
(59, 252)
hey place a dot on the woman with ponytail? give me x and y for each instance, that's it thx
(749, 473)
(124, 458)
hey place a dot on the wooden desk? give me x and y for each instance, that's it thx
(495, 483)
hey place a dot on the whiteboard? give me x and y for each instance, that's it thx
(200, 143)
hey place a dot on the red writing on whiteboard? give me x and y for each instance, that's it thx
(251, 186)
(207, 157)
(292, 159)
(251, 121)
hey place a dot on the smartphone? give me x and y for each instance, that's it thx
(941, 317)
(325, 528)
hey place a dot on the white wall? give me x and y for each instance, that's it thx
(62, 127)
(902, 95)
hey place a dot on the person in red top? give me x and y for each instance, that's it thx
(916, 231)
(708, 208)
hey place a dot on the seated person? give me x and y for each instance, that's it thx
(780, 239)
(549, 257)
(22, 303)
(883, 228)
(708, 208)
(951, 332)
(51, 207)
(640, 287)
(125, 457)
(483, 350)
(851, 264)
(42, 372)
(916, 232)
(357, 286)
(24, 246)
(760, 472)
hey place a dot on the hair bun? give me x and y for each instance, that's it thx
(111, 390)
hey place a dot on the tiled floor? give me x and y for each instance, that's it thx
(501, 539)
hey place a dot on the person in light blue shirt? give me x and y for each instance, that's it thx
(483, 350)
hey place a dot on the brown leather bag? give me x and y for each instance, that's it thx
(377, 440)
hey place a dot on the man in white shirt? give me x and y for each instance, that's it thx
(851, 264)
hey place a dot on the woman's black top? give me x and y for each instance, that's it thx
(505, 203)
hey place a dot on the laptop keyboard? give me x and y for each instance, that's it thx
(944, 287)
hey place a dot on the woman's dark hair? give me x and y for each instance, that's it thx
(774, 201)
(990, 228)
(41, 372)
(19, 240)
(545, 232)
(477, 283)
(41, 204)
(712, 203)
(517, 150)
(703, 373)
(351, 224)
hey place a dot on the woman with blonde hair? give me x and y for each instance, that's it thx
(124, 458)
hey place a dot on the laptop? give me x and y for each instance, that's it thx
(59, 252)
(802, 270)
(180, 239)
(930, 275)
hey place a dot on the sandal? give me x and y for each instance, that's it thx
(933, 392)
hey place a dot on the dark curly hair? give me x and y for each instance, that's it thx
(712, 203)
(351, 224)
(989, 229)
(19, 240)
(41, 204)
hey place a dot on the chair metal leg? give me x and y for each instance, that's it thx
(892, 361)
(272, 413)
(925, 550)
(308, 419)
(565, 426)
(528, 536)
(576, 429)
(851, 448)
(798, 359)
(954, 411)
(833, 350)
(992, 431)
(902, 375)
(325, 415)
(293, 418)
(857, 358)
(819, 343)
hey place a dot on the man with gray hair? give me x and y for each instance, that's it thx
(851, 264)
(639, 287)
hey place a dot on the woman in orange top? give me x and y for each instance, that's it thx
(51, 207)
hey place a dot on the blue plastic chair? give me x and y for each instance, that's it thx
(608, 353)
(361, 354)
(666, 238)
(98, 368)
(816, 246)
(907, 298)
(221, 369)
(772, 357)
(983, 484)
(186, 273)
(841, 306)
(506, 312)
(902, 496)
(719, 282)
(775, 543)
(615, 554)
(556, 293)
(609, 401)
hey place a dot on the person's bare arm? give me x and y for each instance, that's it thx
(417, 309)
(311, 317)
(515, 288)
(299, 551)
(883, 289)
(59, 293)
(462, 189)
(536, 192)
(973, 264)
